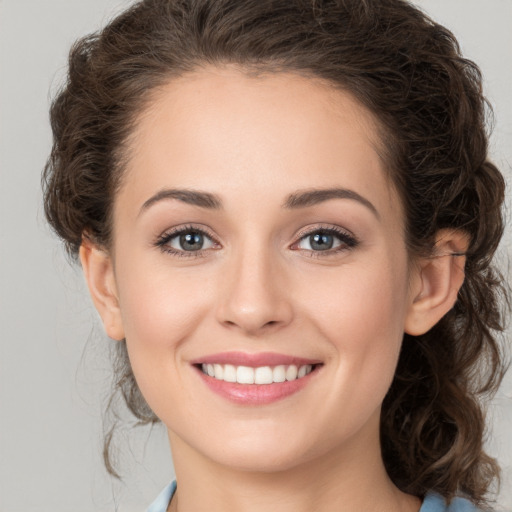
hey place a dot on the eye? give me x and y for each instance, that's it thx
(328, 240)
(190, 241)
(186, 240)
(319, 241)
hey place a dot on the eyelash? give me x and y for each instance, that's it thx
(347, 240)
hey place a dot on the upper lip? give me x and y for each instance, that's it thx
(254, 360)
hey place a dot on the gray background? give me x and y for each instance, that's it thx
(54, 370)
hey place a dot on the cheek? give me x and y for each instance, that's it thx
(160, 310)
(159, 305)
(366, 297)
(362, 314)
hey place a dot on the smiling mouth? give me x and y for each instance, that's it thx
(256, 375)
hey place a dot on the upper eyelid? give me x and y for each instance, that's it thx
(172, 232)
(329, 228)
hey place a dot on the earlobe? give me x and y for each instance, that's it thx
(99, 275)
(437, 282)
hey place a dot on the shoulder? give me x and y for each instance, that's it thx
(435, 503)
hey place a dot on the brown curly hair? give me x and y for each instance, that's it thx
(408, 71)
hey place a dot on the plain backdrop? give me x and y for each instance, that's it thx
(54, 368)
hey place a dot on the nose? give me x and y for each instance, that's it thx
(254, 296)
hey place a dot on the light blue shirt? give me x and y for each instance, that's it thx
(432, 502)
(163, 500)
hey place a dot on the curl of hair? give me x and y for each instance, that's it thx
(408, 71)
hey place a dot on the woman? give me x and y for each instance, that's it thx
(286, 217)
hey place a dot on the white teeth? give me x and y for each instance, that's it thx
(279, 374)
(263, 375)
(245, 375)
(219, 371)
(229, 373)
(259, 375)
(304, 370)
(291, 372)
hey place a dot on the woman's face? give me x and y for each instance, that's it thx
(256, 232)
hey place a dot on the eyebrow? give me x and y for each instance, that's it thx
(193, 197)
(303, 199)
(299, 199)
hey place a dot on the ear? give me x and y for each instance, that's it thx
(436, 282)
(99, 273)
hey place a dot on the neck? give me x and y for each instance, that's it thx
(349, 479)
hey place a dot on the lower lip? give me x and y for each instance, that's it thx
(256, 394)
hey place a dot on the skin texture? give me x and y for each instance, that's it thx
(258, 286)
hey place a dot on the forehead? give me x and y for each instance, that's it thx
(223, 130)
(236, 97)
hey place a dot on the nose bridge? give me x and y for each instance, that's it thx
(254, 298)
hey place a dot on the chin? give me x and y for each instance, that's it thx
(262, 455)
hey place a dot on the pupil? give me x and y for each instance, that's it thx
(321, 241)
(191, 241)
